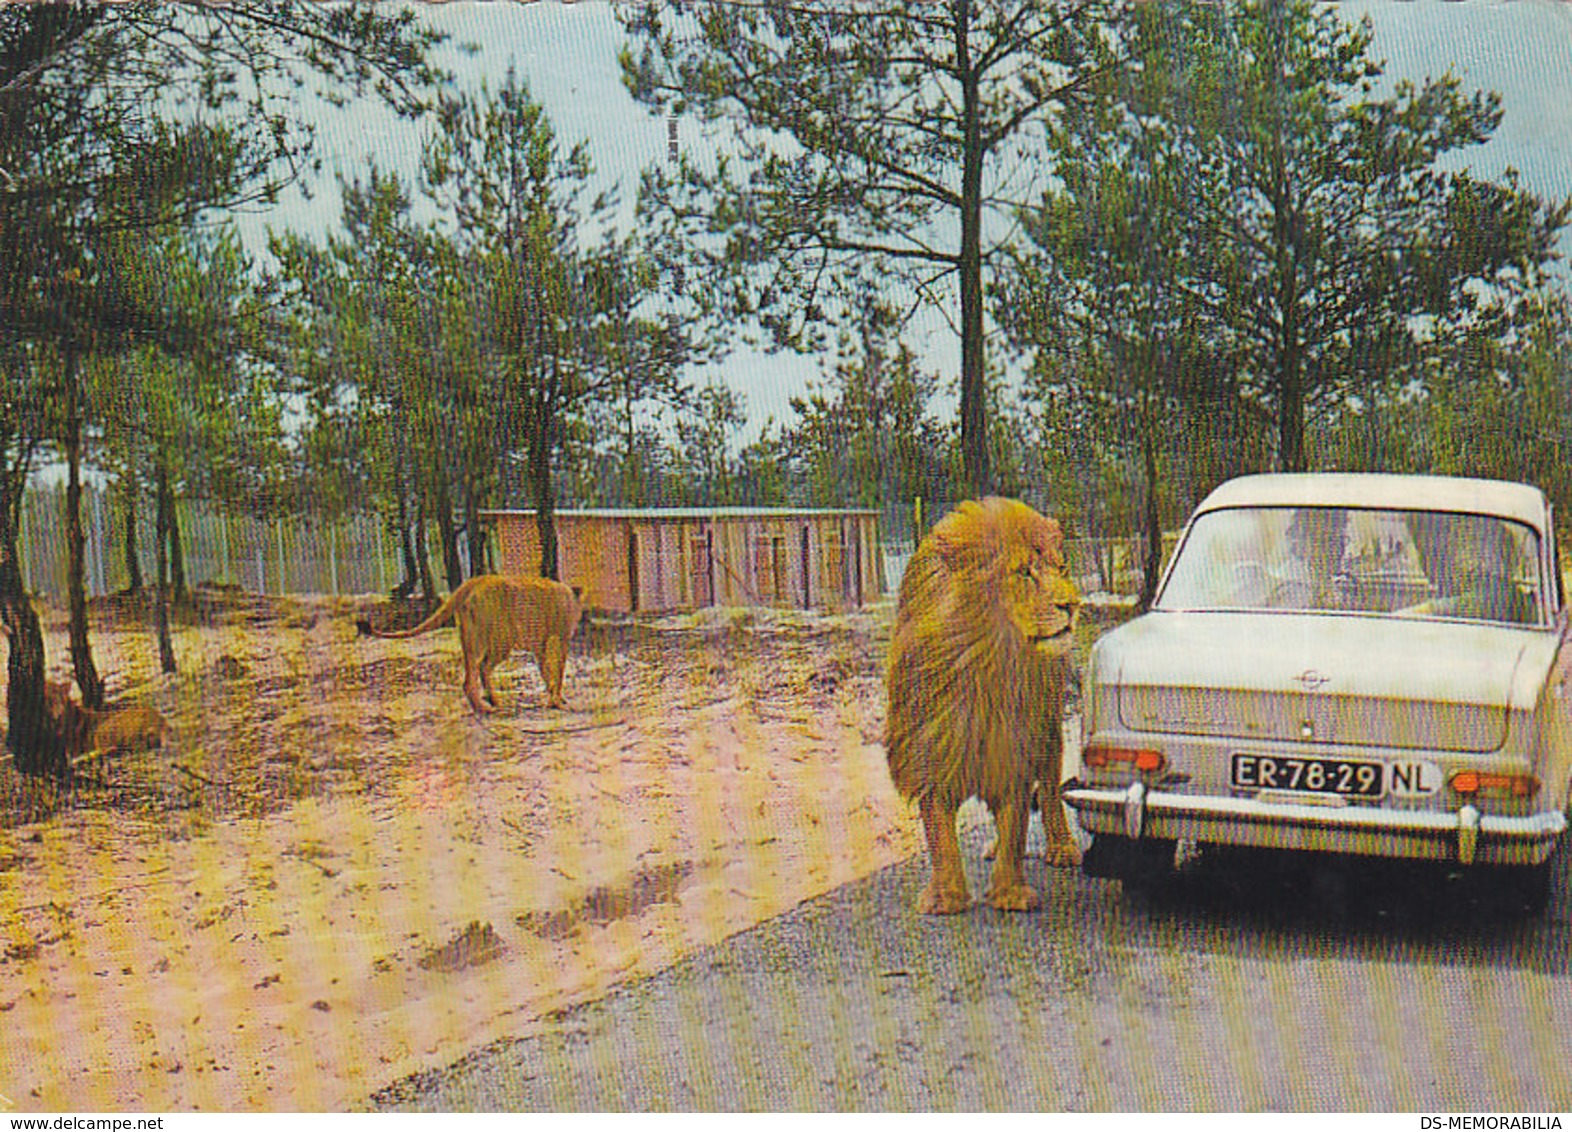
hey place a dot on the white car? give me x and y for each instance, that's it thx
(1348, 663)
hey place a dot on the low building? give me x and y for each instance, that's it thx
(659, 559)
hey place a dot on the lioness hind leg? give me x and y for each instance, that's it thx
(472, 683)
(946, 892)
(1007, 889)
(485, 679)
(553, 661)
(474, 659)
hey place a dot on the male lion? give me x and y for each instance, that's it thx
(978, 663)
(134, 728)
(496, 615)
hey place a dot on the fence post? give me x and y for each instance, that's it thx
(278, 531)
(261, 567)
(97, 583)
(223, 535)
(382, 560)
(23, 529)
(333, 558)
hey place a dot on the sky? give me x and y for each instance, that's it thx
(568, 55)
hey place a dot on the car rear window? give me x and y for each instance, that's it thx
(1358, 560)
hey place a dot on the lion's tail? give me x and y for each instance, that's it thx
(442, 615)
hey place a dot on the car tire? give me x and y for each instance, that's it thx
(1532, 887)
(1140, 865)
(1521, 888)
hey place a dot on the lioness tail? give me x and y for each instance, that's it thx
(443, 614)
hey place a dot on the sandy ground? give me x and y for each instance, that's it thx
(334, 875)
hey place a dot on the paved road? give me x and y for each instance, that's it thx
(1250, 985)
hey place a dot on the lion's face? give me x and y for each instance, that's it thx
(1040, 600)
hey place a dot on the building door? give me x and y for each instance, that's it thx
(834, 565)
(702, 566)
(633, 570)
(807, 572)
(769, 569)
(855, 596)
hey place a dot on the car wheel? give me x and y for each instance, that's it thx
(1140, 865)
(1533, 887)
(1527, 886)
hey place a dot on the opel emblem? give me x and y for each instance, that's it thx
(1311, 680)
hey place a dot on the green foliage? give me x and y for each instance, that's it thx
(1489, 408)
(865, 437)
(569, 308)
(203, 405)
(1250, 256)
(1331, 256)
(122, 117)
(871, 143)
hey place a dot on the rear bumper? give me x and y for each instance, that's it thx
(1463, 835)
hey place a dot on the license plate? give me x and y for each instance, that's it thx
(1315, 776)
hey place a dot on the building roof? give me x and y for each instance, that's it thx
(688, 513)
(1382, 490)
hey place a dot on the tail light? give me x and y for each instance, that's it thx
(1473, 782)
(1138, 758)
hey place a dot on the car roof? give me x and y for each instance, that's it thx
(1383, 490)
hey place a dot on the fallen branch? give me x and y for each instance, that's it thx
(572, 729)
(92, 756)
(199, 776)
(318, 865)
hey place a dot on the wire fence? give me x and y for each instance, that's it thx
(1097, 565)
(358, 554)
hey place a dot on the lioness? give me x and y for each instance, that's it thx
(134, 728)
(978, 663)
(496, 615)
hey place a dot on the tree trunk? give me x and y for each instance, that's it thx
(631, 495)
(36, 746)
(540, 474)
(1290, 421)
(448, 535)
(177, 554)
(477, 536)
(406, 540)
(974, 412)
(133, 559)
(428, 586)
(1154, 521)
(163, 512)
(87, 678)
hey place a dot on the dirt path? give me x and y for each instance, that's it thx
(334, 876)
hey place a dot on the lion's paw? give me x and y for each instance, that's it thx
(1014, 898)
(1065, 855)
(943, 900)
